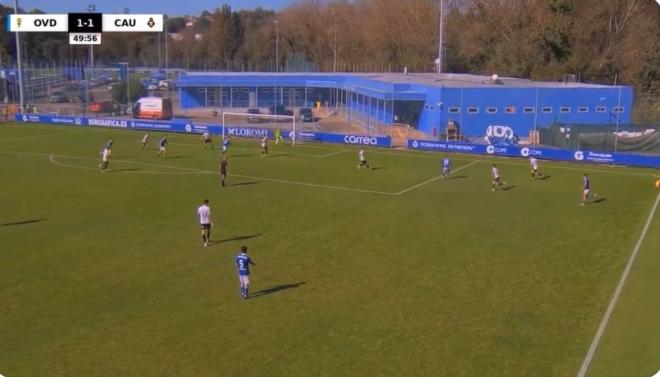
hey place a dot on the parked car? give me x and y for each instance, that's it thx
(253, 119)
(306, 114)
(163, 84)
(101, 107)
(280, 110)
(57, 97)
(152, 87)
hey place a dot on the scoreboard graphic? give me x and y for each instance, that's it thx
(85, 28)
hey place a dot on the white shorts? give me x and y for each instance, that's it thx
(162, 149)
(586, 192)
(244, 280)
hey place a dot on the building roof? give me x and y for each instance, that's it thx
(385, 86)
(453, 80)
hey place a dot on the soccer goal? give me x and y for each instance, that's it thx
(259, 125)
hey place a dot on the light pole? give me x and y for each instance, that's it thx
(277, 45)
(441, 27)
(334, 63)
(91, 8)
(20, 64)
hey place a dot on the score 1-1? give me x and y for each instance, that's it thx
(85, 22)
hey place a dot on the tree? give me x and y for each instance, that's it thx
(137, 90)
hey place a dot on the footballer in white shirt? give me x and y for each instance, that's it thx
(145, 141)
(363, 160)
(497, 177)
(205, 221)
(534, 163)
(206, 139)
(105, 155)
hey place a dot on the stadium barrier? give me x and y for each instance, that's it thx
(181, 125)
(626, 159)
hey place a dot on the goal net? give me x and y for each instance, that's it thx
(256, 125)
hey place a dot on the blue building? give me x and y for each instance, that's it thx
(428, 102)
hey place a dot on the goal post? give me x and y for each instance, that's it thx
(251, 122)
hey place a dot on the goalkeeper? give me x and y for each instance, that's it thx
(278, 135)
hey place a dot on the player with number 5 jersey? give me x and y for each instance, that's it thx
(243, 262)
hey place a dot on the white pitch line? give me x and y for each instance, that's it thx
(434, 179)
(313, 184)
(617, 293)
(54, 161)
(256, 151)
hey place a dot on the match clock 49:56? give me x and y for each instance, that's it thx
(85, 22)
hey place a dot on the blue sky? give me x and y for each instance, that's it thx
(176, 7)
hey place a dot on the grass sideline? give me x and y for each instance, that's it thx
(386, 272)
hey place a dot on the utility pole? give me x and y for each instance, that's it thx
(334, 63)
(441, 29)
(277, 46)
(91, 8)
(20, 65)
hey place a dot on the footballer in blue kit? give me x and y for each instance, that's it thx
(243, 262)
(446, 167)
(226, 144)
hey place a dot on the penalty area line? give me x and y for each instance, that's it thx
(584, 368)
(433, 179)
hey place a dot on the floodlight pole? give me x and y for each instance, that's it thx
(441, 25)
(334, 64)
(277, 45)
(20, 64)
(91, 8)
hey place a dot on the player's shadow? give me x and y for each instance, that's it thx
(246, 183)
(507, 188)
(596, 201)
(379, 168)
(25, 222)
(240, 155)
(176, 157)
(544, 177)
(238, 238)
(275, 289)
(123, 170)
(280, 155)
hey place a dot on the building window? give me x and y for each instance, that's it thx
(564, 109)
(265, 90)
(546, 110)
(454, 110)
(201, 90)
(491, 110)
(601, 109)
(528, 110)
(510, 109)
(583, 109)
(473, 110)
(618, 109)
(245, 90)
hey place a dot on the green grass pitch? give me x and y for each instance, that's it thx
(388, 272)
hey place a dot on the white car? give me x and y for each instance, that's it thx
(152, 87)
(163, 84)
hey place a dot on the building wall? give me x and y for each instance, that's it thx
(368, 101)
(523, 109)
